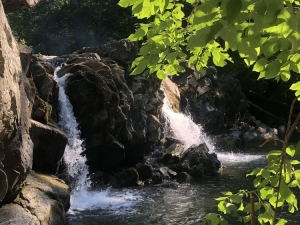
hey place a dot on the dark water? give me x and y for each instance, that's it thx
(185, 205)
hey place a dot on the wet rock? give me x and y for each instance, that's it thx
(197, 171)
(145, 171)
(183, 176)
(157, 178)
(127, 178)
(49, 147)
(164, 173)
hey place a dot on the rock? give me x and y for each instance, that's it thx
(15, 143)
(13, 5)
(127, 178)
(49, 147)
(166, 158)
(164, 171)
(184, 176)
(173, 94)
(154, 128)
(3, 184)
(157, 178)
(122, 51)
(13, 214)
(145, 171)
(43, 200)
(197, 171)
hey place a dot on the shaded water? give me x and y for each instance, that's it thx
(163, 206)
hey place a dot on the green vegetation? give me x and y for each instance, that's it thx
(266, 35)
(62, 26)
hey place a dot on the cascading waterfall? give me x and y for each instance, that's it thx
(75, 162)
(182, 128)
(81, 197)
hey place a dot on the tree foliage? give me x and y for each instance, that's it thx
(266, 35)
(62, 26)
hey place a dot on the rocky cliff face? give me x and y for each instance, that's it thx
(15, 143)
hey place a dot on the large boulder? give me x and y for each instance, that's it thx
(49, 146)
(43, 200)
(15, 143)
(101, 103)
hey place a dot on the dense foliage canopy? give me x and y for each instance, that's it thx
(62, 26)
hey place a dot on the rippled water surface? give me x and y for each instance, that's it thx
(166, 206)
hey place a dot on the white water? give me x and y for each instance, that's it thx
(81, 197)
(182, 128)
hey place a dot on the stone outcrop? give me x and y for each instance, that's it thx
(49, 146)
(13, 5)
(15, 143)
(43, 200)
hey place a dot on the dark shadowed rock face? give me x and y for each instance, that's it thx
(15, 143)
(49, 147)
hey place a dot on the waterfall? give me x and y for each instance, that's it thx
(183, 129)
(81, 197)
(75, 162)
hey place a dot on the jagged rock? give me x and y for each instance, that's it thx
(13, 5)
(157, 178)
(128, 177)
(145, 171)
(15, 144)
(154, 128)
(183, 176)
(49, 147)
(173, 94)
(164, 171)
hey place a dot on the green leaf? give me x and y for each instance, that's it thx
(161, 75)
(125, 3)
(260, 65)
(233, 8)
(213, 31)
(281, 222)
(291, 150)
(272, 69)
(285, 75)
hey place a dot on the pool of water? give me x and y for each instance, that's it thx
(157, 205)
